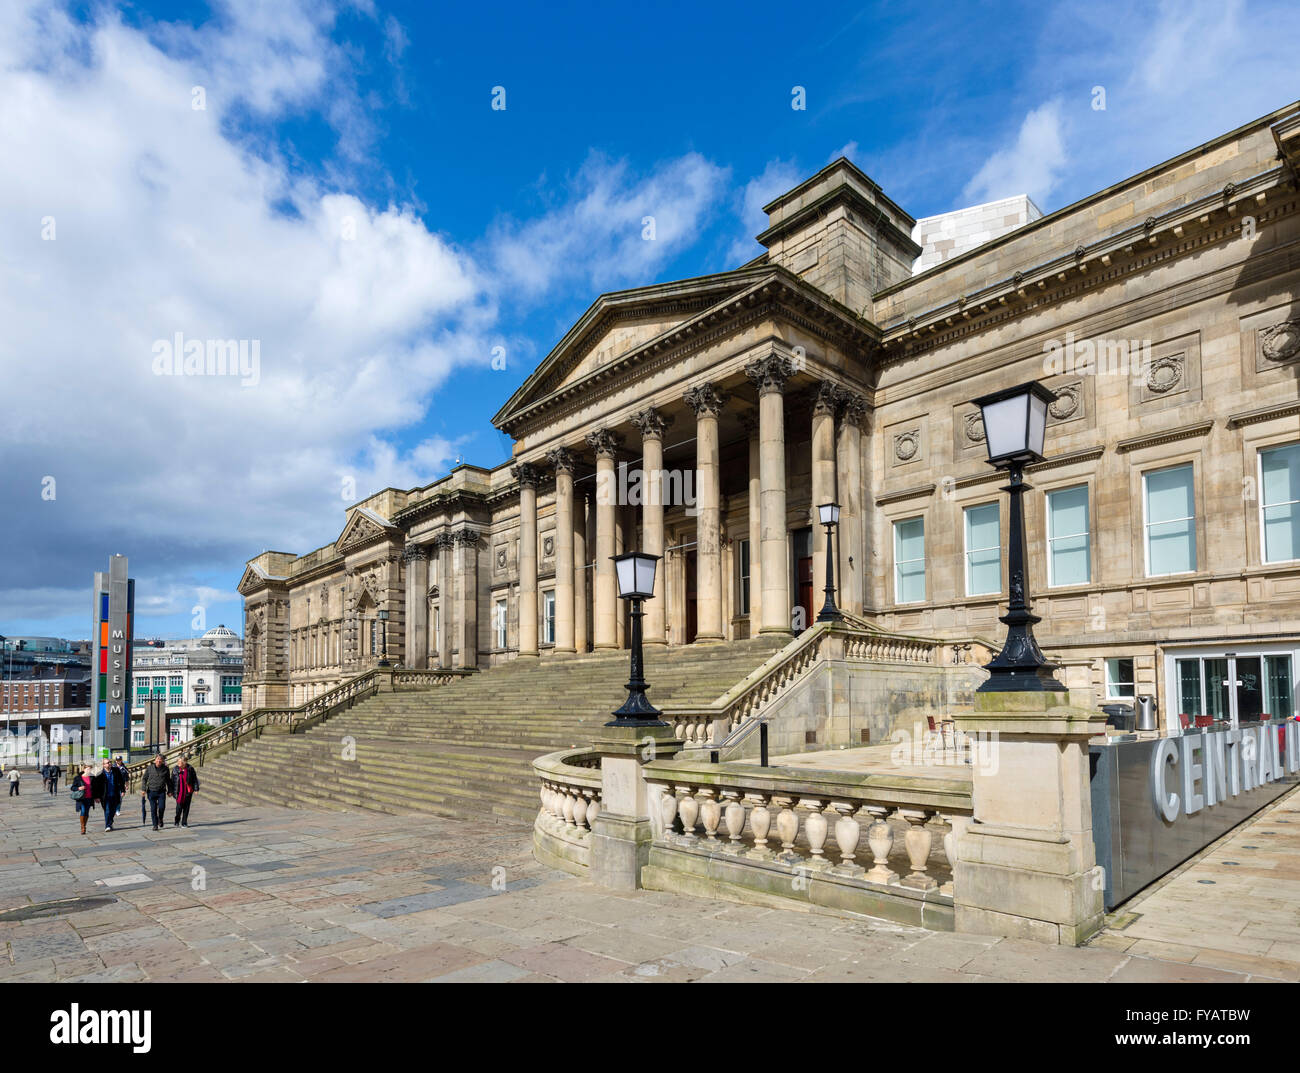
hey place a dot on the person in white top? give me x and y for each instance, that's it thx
(13, 781)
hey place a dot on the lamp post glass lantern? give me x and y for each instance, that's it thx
(383, 623)
(829, 514)
(635, 573)
(1015, 422)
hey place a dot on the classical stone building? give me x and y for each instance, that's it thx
(1163, 532)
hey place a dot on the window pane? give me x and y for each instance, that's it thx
(1281, 473)
(909, 561)
(1067, 513)
(983, 550)
(1119, 678)
(1277, 671)
(1169, 494)
(1172, 547)
(1281, 532)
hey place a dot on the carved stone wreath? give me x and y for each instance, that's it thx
(548, 546)
(1066, 403)
(975, 427)
(906, 444)
(501, 558)
(1165, 374)
(1282, 341)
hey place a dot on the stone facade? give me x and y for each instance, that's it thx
(827, 369)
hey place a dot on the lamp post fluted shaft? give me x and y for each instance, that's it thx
(637, 709)
(1021, 665)
(829, 612)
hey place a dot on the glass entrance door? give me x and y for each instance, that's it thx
(1249, 686)
(1233, 688)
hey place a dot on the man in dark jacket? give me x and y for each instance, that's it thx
(56, 773)
(112, 795)
(185, 781)
(156, 785)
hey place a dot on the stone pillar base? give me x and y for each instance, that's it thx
(620, 846)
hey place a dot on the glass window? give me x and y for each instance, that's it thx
(1280, 502)
(1170, 521)
(1119, 678)
(1279, 698)
(983, 550)
(1068, 558)
(743, 559)
(499, 622)
(548, 618)
(1189, 687)
(909, 561)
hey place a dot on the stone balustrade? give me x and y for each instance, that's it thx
(570, 801)
(863, 842)
(710, 724)
(406, 678)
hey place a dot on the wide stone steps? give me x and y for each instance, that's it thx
(465, 749)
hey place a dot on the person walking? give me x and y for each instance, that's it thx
(156, 785)
(111, 795)
(185, 783)
(56, 773)
(82, 790)
(122, 783)
(13, 781)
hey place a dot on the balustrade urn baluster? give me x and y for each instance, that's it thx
(734, 816)
(918, 841)
(667, 815)
(815, 828)
(580, 811)
(787, 828)
(760, 822)
(880, 837)
(847, 833)
(956, 828)
(688, 808)
(568, 811)
(593, 808)
(711, 816)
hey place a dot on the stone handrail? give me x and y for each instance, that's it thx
(712, 724)
(691, 800)
(571, 800)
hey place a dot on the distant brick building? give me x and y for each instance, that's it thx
(44, 689)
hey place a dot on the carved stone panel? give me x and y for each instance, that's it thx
(1167, 375)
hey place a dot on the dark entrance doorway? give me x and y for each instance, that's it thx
(801, 543)
(691, 591)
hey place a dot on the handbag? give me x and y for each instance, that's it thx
(78, 790)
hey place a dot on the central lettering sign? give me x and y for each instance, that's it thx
(1204, 769)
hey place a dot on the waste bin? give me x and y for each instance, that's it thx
(1120, 716)
(1146, 712)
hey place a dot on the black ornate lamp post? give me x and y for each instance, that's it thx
(830, 517)
(382, 615)
(635, 572)
(1014, 423)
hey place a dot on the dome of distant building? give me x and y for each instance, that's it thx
(220, 636)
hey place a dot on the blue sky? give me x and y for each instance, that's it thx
(347, 196)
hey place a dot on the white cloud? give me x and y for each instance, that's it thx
(775, 179)
(1032, 165)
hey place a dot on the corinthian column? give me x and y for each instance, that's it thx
(826, 401)
(848, 454)
(467, 569)
(446, 588)
(651, 424)
(527, 476)
(580, 570)
(416, 558)
(707, 403)
(769, 376)
(605, 444)
(749, 422)
(562, 460)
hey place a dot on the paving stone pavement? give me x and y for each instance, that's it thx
(265, 894)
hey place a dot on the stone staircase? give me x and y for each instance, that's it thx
(466, 749)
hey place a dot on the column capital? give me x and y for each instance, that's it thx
(562, 460)
(854, 408)
(604, 442)
(444, 540)
(412, 553)
(705, 400)
(770, 373)
(650, 422)
(466, 538)
(526, 474)
(827, 398)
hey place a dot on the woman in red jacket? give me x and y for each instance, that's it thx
(82, 789)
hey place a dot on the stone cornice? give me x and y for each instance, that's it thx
(1264, 413)
(1178, 232)
(905, 493)
(1154, 439)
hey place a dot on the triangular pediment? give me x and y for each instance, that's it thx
(363, 527)
(255, 578)
(620, 322)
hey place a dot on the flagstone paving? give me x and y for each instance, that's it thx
(265, 894)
